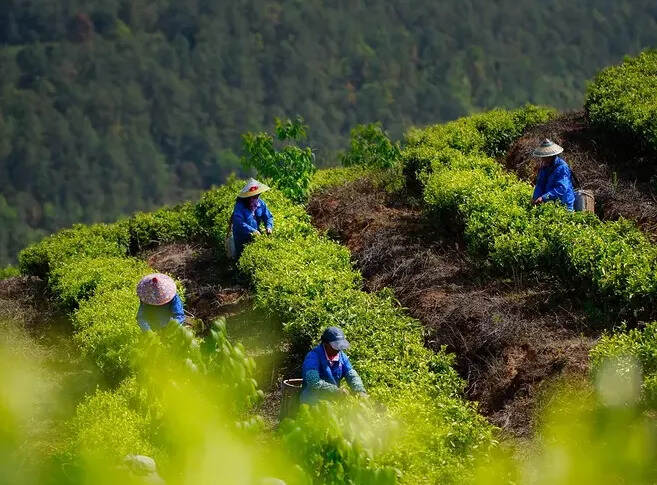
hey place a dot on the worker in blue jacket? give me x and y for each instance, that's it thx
(249, 213)
(554, 181)
(325, 366)
(159, 302)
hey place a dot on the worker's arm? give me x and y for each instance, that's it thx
(239, 221)
(540, 185)
(177, 311)
(562, 178)
(311, 375)
(352, 377)
(141, 321)
(268, 218)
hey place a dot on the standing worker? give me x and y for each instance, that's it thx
(554, 181)
(250, 211)
(160, 302)
(325, 366)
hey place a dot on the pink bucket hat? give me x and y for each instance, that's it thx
(156, 289)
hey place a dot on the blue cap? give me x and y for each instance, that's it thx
(334, 336)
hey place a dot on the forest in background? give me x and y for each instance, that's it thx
(112, 106)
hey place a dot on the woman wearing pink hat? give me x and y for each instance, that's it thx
(160, 302)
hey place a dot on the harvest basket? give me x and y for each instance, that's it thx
(290, 393)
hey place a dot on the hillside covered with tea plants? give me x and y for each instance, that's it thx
(190, 398)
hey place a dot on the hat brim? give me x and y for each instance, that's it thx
(246, 195)
(166, 291)
(538, 153)
(340, 344)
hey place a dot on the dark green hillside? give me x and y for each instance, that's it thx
(111, 106)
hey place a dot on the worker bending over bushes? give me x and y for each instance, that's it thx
(250, 211)
(554, 181)
(160, 302)
(325, 366)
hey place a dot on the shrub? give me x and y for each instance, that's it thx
(308, 282)
(80, 241)
(623, 99)
(106, 330)
(637, 344)
(489, 133)
(613, 261)
(370, 147)
(617, 263)
(80, 279)
(290, 168)
(333, 177)
(348, 455)
(107, 426)
(163, 226)
(9, 272)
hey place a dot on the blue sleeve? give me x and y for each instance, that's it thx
(177, 311)
(562, 177)
(239, 221)
(540, 185)
(267, 217)
(143, 324)
(346, 364)
(351, 376)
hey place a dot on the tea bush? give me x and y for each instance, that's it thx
(106, 330)
(166, 225)
(489, 133)
(623, 99)
(81, 278)
(350, 454)
(634, 343)
(107, 425)
(612, 260)
(80, 241)
(308, 282)
(333, 177)
(9, 272)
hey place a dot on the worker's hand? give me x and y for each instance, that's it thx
(257, 233)
(269, 230)
(343, 391)
(538, 201)
(363, 395)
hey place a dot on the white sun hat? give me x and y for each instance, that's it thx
(547, 148)
(252, 188)
(156, 289)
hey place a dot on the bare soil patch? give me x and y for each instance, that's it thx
(26, 299)
(623, 180)
(511, 338)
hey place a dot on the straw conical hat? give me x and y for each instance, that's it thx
(252, 188)
(156, 289)
(547, 148)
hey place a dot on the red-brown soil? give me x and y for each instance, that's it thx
(623, 180)
(511, 338)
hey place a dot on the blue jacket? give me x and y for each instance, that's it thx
(245, 222)
(321, 378)
(159, 316)
(555, 182)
